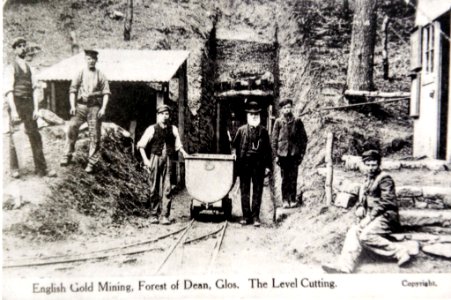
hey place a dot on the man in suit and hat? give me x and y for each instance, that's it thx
(289, 141)
(377, 211)
(157, 144)
(254, 161)
(89, 96)
(20, 88)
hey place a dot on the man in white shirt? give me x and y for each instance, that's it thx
(89, 95)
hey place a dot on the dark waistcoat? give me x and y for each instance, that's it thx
(23, 87)
(161, 137)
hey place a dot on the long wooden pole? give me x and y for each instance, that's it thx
(376, 94)
(128, 21)
(329, 167)
(385, 64)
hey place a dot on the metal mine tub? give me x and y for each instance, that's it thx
(209, 178)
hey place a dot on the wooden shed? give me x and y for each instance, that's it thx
(140, 80)
(430, 69)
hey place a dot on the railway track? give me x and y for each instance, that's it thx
(186, 237)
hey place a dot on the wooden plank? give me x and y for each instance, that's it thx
(377, 94)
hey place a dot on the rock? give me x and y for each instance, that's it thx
(436, 192)
(345, 200)
(112, 128)
(352, 162)
(431, 164)
(50, 117)
(347, 186)
(416, 236)
(421, 204)
(435, 203)
(416, 217)
(283, 213)
(439, 249)
(56, 132)
(406, 202)
(41, 123)
(322, 171)
(409, 191)
(390, 165)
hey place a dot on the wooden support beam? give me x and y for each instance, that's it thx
(330, 170)
(183, 96)
(376, 94)
(234, 93)
(53, 97)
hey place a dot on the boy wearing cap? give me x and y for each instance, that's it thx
(89, 96)
(377, 211)
(289, 142)
(20, 88)
(159, 142)
(254, 161)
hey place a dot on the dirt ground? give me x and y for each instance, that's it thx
(310, 236)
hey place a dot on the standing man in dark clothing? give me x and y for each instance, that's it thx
(377, 211)
(23, 105)
(157, 144)
(289, 142)
(89, 96)
(254, 161)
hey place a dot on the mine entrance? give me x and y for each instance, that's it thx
(245, 71)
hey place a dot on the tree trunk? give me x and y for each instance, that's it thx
(128, 20)
(360, 65)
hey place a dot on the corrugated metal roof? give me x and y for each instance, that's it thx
(429, 10)
(122, 65)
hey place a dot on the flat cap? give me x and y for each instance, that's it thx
(371, 155)
(91, 53)
(285, 102)
(18, 41)
(162, 108)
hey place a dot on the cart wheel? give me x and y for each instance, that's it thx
(193, 211)
(227, 207)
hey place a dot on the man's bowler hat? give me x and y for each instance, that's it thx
(253, 107)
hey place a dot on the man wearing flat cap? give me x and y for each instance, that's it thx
(289, 142)
(254, 161)
(158, 143)
(89, 96)
(20, 92)
(377, 211)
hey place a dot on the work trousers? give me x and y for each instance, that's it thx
(251, 170)
(159, 186)
(24, 107)
(289, 172)
(371, 235)
(85, 114)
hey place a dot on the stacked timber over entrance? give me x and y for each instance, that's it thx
(245, 70)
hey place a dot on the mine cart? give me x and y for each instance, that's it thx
(209, 179)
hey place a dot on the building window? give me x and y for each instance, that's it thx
(428, 48)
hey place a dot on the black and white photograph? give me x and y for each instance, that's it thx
(226, 149)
